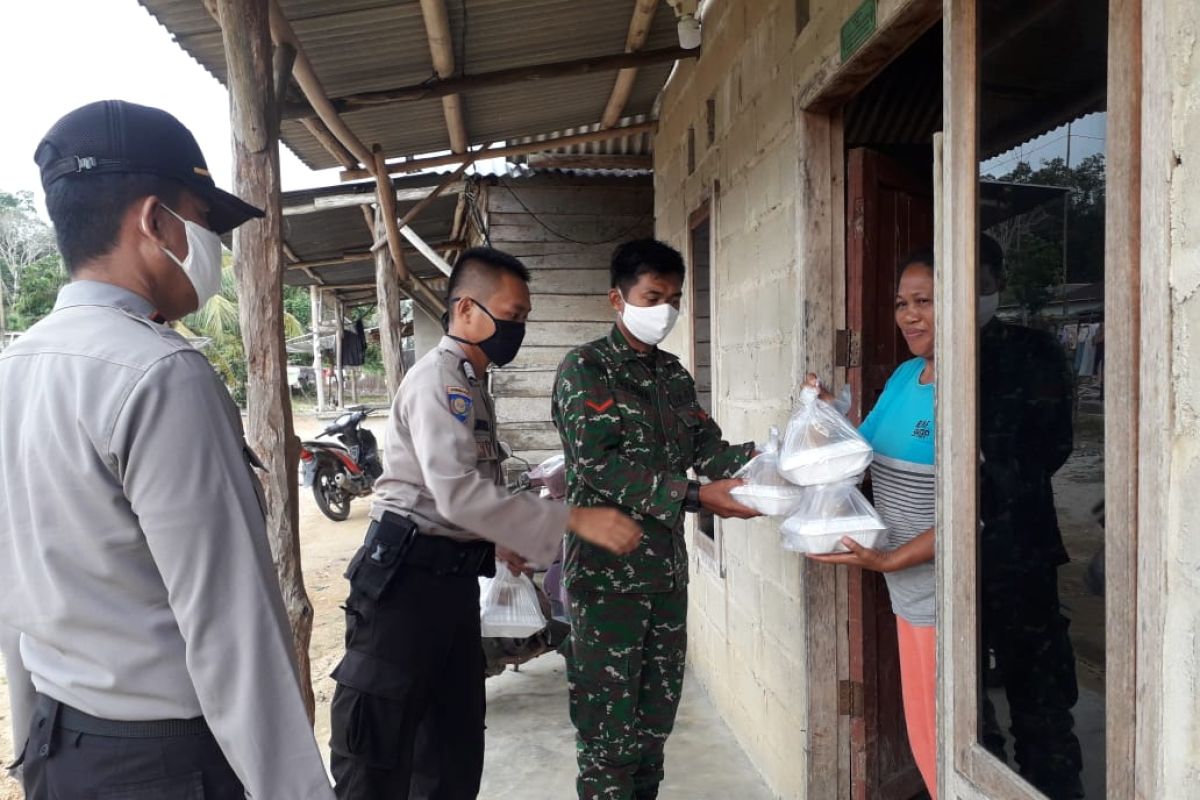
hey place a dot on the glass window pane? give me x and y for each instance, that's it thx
(1041, 347)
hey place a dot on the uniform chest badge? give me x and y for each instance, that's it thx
(459, 401)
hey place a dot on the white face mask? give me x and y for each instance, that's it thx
(649, 324)
(203, 262)
(988, 303)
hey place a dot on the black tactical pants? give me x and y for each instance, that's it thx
(408, 711)
(1024, 626)
(71, 756)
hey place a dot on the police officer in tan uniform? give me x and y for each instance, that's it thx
(407, 718)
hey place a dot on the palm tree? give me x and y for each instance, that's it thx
(217, 321)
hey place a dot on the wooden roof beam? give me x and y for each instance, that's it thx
(441, 49)
(306, 78)
(639, 31)
(351, 199)
(524, 149)
(504, 77)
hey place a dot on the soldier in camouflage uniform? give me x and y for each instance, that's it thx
(1026, 435)
(631, 429)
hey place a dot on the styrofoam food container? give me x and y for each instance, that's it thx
(830, 464)
(821, 537)
(510, 631)
(774, 501)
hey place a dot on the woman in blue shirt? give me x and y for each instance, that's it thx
(900, 429)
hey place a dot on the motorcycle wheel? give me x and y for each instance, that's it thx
(333, 501)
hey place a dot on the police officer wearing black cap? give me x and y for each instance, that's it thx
(134, 563)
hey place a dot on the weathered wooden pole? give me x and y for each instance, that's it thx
(388, 296)
(338, 371)
(258, 256)
(314, 300)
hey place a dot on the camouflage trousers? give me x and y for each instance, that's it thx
(625, 661)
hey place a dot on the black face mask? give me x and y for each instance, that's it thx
(503, 345)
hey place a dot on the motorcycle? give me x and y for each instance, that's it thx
(338, 473)
(549, 480)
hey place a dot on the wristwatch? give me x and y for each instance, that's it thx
(691, 499)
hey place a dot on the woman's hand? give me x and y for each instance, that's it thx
(812, 380)
(862, 557)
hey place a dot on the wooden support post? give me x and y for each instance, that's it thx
(258, 254)
(338, 370)
(314, 299)
(387, 292)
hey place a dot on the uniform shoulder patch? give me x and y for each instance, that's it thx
(459, 401)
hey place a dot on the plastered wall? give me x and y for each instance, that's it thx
(747, 628)
(1181, 657)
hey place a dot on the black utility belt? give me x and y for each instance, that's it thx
(396, 541)
(75, 721)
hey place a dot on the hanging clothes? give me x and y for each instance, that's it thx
(352, 346)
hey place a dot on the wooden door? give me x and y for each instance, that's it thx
(889, 215)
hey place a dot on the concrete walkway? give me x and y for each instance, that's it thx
(531, 744)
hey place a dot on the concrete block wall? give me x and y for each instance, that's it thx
(1179, 669)
(746, 627)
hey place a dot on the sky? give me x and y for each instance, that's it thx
(1087, 139)
(56, 55)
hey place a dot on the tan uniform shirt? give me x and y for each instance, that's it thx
(442, 463)
(134, 560)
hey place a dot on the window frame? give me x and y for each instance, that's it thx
(966, 768)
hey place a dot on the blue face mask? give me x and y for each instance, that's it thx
(504, 343)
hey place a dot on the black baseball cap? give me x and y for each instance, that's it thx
(113, 136)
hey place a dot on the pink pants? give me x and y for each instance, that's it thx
(918, 681)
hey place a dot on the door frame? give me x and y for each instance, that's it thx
(966, 768)
(821, 293)
(1137, 303)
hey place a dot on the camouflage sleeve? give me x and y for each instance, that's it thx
(589, 425)
(715, 457)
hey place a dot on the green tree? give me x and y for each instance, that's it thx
(218, 322)
(1033, 243)
(27, 251)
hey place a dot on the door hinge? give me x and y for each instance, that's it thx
(847, 349)
(852, 698)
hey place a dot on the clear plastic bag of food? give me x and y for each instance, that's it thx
(820, 446)
(826, 514)
(508, 606)
(551, 475)
(765, 490)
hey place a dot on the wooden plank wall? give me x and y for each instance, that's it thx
(564, 227)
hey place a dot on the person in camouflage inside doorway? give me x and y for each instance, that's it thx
(631, 429)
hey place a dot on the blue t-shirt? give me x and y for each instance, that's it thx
(900, 429)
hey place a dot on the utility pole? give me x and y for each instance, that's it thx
(1065, 233)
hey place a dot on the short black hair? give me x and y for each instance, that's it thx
(991, 255)
(921, 256)
(86, 210)
(479, 264)
(633, 259)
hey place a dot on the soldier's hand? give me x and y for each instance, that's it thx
(715, 497)
(607, 528)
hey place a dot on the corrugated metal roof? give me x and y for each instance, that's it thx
(369, 45)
